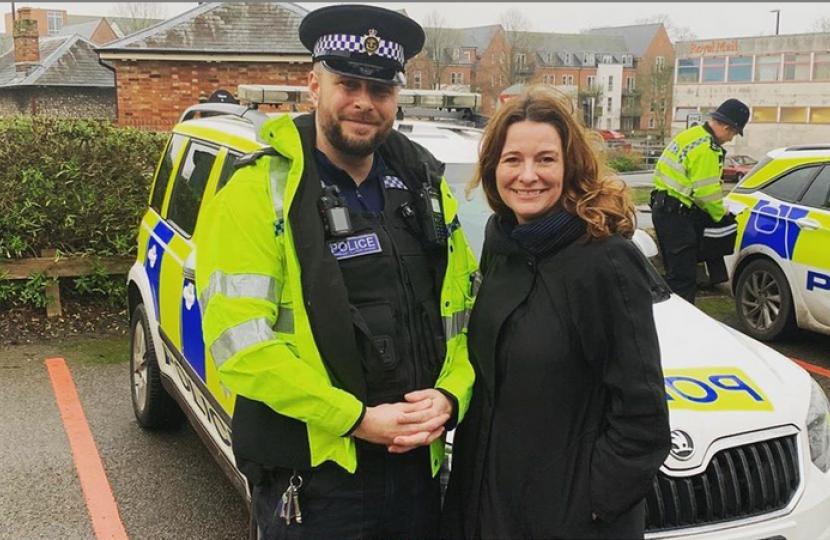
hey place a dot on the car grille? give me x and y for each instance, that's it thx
(739, 482)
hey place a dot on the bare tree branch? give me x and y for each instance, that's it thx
(822, 24)
(520, 61)
(676, 33)
(441, 40)
(137, 16)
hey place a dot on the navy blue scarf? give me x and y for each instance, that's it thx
(549, 234)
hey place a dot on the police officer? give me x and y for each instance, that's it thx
(336, 285)
(688, 192)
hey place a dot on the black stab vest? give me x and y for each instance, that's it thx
(391, 281)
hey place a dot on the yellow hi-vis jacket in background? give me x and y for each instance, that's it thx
(276, 317)
(690, 170)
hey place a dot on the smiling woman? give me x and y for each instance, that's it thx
(562, 337)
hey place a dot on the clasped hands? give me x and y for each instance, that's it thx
(406, 425)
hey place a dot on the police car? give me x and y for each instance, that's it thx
(751, 431)
(781, 269)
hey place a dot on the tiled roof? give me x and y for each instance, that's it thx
(637, 37)
(245, 27)
(64, 61)
(85, 30)
(576, 44)
(478, 37)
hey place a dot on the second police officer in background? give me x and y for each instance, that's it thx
(336, 285)
(688, 199)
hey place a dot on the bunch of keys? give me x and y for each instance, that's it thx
(290, 507)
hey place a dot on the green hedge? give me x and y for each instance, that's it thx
(79, 186)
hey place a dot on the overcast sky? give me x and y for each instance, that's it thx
(706, 20)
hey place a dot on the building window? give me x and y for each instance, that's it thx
(820, 115)
(521, 59)
(550, 58)
(591, 81)
(416, 80)
(54, 20)
(794, 115)
(630, 84)
(456, 54)
(796, 67)
(456, 78)
(660, 62)
(688, 71)
(767, 68)
(765, 114)
(607, 59)
(681, 113)
(467, 57)
(821, 67)
(740, 69)
(590, 59)
(501, 80)
(567, 58)
(609, 104)
(568, 79)
(493, 81)
(651, 123)
(610, 83)
(549, 79)
(714, 69)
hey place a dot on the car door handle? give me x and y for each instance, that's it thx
(808, 224)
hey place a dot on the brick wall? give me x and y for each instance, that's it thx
(153, 94)
(65, 102)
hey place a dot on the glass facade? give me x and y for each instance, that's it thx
(740, 69)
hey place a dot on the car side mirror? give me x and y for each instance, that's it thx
(644, 243)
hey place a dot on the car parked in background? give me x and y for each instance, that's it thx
(609, 135)
(736, 167)
(781, 268)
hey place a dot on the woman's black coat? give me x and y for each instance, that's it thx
(580, 422)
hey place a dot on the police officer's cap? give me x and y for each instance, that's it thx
(733, 112)
(365, 42)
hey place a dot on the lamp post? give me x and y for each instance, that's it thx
(777, 18)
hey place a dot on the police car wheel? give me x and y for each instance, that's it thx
(152, 405)
(763, 301)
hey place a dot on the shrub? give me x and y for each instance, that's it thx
(78, 186)
(622, 161)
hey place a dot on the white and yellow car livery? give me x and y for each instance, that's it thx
(781, 268)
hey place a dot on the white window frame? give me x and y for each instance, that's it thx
(629, 83)
(54, 22)
(610, 83)
(660, 62)
(457, 77)
(591, 80)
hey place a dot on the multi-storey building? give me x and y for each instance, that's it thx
(600, 70)
(783, 79)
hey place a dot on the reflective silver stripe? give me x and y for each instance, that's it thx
(706, 182)
(278, 177)
(667, 161)
(674, 184)
(238, 338)
(285, 321)
(241, 286)
(456, 324)
(709, 198)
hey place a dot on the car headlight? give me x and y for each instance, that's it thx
(818, 427)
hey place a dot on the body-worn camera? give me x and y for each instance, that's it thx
(335, 212)
(430, 212)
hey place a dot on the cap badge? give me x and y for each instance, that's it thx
(371, 42)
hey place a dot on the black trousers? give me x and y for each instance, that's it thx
(391, 496)
(677, 239)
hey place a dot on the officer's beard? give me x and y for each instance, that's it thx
(333, 130)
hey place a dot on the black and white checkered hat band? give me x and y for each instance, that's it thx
(347, 42)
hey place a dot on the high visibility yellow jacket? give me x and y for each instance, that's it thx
(690, 170)
(276, 317)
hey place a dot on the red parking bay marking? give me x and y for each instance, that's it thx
(106, 522)
(813, 369)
